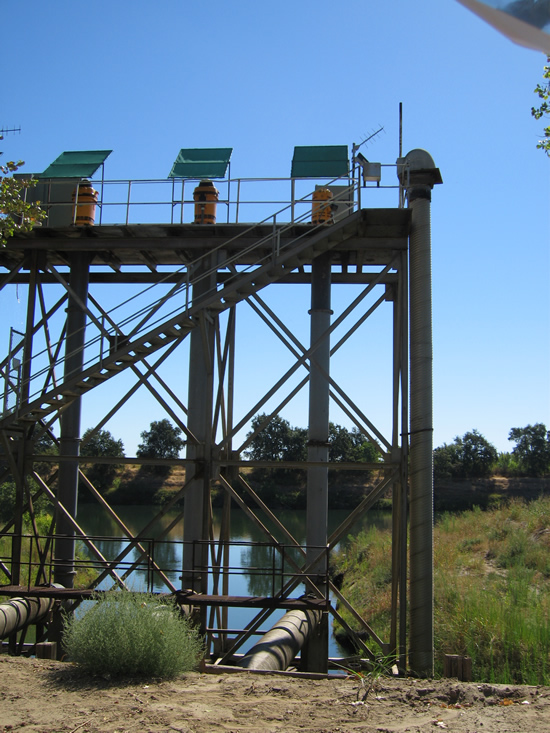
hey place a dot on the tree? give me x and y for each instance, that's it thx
(277, 441)
(162, 440)
(532, 448)
(543, 110)
(101, 443)
(16, 215)
(347, 446)
(471, 456)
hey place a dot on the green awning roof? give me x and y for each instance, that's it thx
(320, 161)
(201, 163)
(76, 164)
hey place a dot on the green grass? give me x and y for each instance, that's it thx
(84, 575)
(491, 584)
(132, 634)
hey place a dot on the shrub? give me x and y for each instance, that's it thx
(507, 465)
(137, 634)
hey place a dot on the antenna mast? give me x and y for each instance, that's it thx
(7, 130)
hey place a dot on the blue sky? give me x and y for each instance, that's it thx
(262, 78)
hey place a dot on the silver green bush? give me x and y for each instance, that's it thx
(132, 634)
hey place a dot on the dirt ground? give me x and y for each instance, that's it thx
(47, 697)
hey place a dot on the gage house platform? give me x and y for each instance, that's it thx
(189, 282)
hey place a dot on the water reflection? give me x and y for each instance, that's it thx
(255, 561)
(251, 565)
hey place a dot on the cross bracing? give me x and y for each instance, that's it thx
(204, 276)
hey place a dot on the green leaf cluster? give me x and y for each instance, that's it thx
(16, 214)
(543, 110)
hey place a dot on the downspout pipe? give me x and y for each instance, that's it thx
(418, 175)
(282, 642)
(20, 612)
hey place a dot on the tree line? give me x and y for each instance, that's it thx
(468, 456)
(275, 440)
(473, 456)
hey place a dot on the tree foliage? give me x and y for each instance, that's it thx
(470, 456)
(16, 215)
(543, 110)
(279, 441)
(162, 440)
(350, 446)
(101, 443)
(532, 448)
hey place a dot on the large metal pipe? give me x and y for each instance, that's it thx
(282, 642)
(418, 175)
(19, 612)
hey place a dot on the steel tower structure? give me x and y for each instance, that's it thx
(200, 277)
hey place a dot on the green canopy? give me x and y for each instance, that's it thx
(320, 161)
(201, 163)
(76, 164)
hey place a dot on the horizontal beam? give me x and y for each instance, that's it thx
(189, 599)
(150, 278)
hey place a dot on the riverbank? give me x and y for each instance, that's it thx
(135, 486)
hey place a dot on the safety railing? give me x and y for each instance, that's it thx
(254, 569)
(171, 201)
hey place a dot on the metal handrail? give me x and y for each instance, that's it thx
(174, 199)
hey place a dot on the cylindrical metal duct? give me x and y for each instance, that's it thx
(18, 612)
(421, 444)
(279, 646)
(418, 175)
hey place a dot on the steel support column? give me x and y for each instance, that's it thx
(69, 444)
(200, 405)
(315, 653)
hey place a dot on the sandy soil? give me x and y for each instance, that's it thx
(46, 696)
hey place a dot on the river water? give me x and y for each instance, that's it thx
(250, 558)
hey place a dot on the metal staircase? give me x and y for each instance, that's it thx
(239, 285)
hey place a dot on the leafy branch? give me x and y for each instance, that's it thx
(16, 214)
(543, 91)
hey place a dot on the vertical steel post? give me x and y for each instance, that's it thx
(69, 444)
(315, 652)
(29, 331)
(199, 422)
(419, 175)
